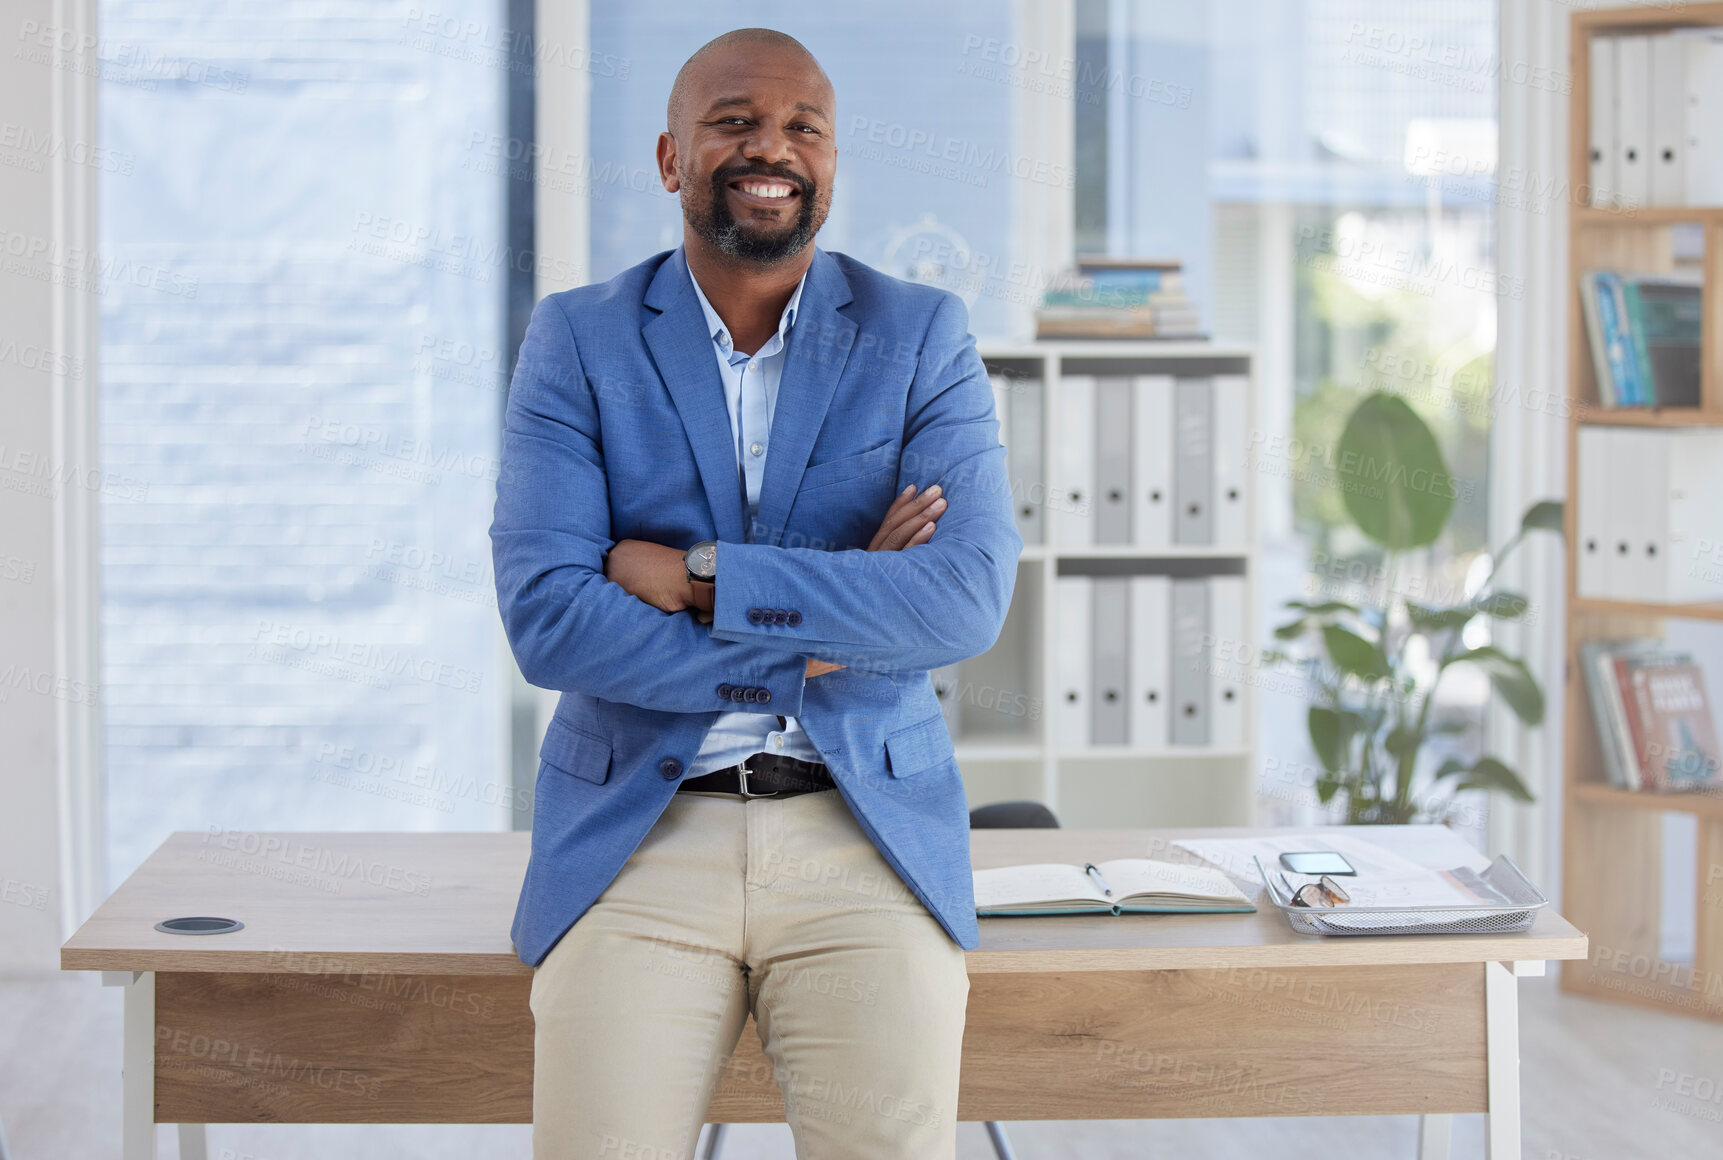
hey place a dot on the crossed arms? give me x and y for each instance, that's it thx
(602, 618)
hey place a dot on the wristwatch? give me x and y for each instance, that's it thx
(701, 562)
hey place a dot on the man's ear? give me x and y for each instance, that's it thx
(667, 163)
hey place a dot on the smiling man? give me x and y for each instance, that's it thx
(751, 493)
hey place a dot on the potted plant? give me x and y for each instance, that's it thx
(1375, 667)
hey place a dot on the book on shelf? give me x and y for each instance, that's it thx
(1118, 298)
(1653, 716)
(1121, 886)
(1644, 333)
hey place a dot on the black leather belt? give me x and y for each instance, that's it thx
(764, 775)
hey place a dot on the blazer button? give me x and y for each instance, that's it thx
(670, 768)
(765, 697)
(750, 695)
(781, 616)
(724, 691)
(795, 618)
(756, 615)
(736, 692)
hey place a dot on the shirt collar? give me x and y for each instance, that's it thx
(721, 333)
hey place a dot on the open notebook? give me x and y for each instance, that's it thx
(1138, 886)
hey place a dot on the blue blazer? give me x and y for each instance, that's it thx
(617, 429)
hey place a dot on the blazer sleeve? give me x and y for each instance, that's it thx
(569, 627)
(931, 605)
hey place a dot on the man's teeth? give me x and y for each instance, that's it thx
(765, 189)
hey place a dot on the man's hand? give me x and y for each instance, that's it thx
(659, 575)
(909, 521)
(651, 572)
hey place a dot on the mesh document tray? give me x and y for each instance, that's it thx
(1485, 918)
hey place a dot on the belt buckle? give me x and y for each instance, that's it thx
(742, 780)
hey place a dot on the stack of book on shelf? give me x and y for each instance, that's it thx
(1118, 298)
(1653, 717)
(1644, 332)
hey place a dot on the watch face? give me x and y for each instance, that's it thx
(703, 560)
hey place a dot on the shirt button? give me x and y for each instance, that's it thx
(777, 741)
(670, 768)
(724, 341)
(757, 449)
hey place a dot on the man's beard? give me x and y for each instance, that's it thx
(719, 227)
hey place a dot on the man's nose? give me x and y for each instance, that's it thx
(768, 144)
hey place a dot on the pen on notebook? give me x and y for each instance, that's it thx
(1089, 869)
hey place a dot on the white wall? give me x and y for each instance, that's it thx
(49, 480)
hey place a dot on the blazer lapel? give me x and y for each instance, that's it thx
(819, 347)
(682, 351)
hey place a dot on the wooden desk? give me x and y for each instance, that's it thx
(374, 982)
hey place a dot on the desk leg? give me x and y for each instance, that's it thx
(193, 1142)
(1502, 1051)
(137, 1064)
(1435, 1137)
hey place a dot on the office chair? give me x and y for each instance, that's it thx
(997, 816)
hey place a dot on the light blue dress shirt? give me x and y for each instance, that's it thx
(751, 392)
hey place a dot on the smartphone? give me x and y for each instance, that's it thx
(1316, 862)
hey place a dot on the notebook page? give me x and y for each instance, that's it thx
(1038, 883)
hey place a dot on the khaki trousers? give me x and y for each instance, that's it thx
(779, 907)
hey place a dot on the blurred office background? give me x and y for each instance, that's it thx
(319, 230)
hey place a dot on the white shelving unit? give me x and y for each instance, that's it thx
(1005, 695)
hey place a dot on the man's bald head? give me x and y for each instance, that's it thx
(759, 41)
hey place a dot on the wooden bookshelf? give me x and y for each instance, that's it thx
(1612, 838)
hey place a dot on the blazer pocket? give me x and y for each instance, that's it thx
(873, 460)
(577, 752)
(920, 746)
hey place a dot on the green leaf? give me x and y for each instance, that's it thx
(1325, 737)
(1403, 740)
(1488, 773)
(1450, 767)
(1291, 630)
(1503, 605)
(1432, 619)
(1326, 787)
(1511, 679)
(1351, 653)
(1393, 479)
(1545, 515)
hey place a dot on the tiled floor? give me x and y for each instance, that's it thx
(1601, 1082)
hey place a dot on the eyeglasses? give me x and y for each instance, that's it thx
(1323, 892)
